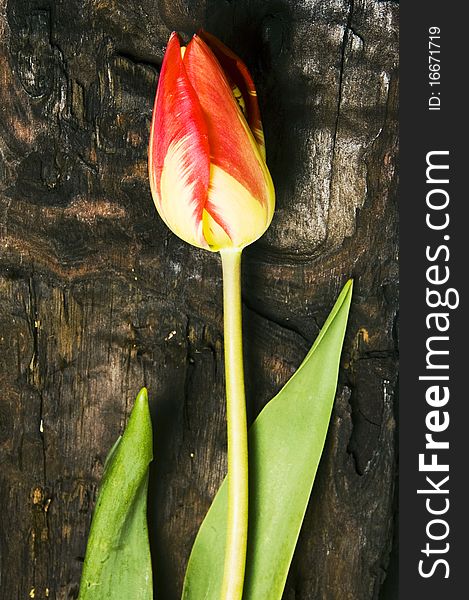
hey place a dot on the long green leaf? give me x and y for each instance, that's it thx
(117, 562)
(285, 445)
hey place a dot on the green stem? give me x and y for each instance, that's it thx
(237, 526)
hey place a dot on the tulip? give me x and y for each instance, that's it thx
(211, 186)
(208, 176)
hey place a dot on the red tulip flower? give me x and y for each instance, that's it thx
(208, 176)
(211, 186)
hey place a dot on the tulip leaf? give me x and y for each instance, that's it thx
(117, 562)
(285, 445)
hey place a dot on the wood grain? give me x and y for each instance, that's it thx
(98, 298)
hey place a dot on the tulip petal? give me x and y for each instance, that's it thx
(179, 162)
(232, 145)
(232, 216)
(240, 80)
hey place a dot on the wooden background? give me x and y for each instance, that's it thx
(98, 297)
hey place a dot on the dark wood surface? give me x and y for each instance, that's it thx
(98, 298)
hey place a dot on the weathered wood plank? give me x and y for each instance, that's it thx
(99, 298)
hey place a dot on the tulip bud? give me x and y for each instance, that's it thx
(208, 176)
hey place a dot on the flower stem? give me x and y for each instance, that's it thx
(237, 525)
